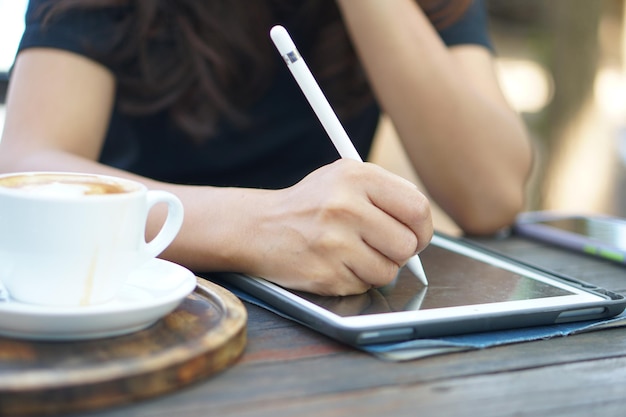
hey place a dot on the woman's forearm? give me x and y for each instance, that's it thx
(339, 231)
(206, 240)
(468, 147)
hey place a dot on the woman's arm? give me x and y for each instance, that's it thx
(338, 231)
(468, 146)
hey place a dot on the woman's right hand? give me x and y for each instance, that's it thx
(345, 228)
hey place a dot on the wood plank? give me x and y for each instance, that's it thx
(581, 389)
(255, 384)
(568, 389)
(266, 330)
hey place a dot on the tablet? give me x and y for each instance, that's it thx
(470, 290)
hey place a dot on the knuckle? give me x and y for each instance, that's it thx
(382, 273)
(388, 274)
(409, 247)
(328, 242)
(420, 212)
(335, 208)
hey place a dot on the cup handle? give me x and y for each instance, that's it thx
(4, 293)
(172, 225)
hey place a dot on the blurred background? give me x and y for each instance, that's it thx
(562, 64)
(11, 28)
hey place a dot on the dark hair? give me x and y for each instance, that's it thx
(193, 58)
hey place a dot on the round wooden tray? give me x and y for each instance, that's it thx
(204, 335)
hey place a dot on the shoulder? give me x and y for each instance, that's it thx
(471, 28)
(87, 32)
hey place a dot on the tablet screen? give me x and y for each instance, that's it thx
(454, 280)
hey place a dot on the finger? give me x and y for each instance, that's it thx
(338, 284)
(347, 265)
(372, 267)
(401, 200)
(393, 239)
(326, 275)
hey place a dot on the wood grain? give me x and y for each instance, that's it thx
(288, 370)
(204, 335)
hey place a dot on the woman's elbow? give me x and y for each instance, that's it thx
(487, 216)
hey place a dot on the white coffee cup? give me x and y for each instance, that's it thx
(71, 239)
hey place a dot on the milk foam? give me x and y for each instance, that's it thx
(57, 189)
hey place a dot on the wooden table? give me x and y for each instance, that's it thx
(288, 370)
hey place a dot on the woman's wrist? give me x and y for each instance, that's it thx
(218, 230)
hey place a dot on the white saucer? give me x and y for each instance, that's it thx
(151, 292)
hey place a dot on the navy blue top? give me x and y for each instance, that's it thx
(284, 143)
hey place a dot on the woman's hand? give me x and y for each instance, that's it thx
(343, 229)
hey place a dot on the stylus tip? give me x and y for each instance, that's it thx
(415, 266)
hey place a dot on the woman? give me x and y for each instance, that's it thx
(190, 97)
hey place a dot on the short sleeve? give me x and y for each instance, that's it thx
(81, 32)
(471, 28)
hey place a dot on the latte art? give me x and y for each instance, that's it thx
(57, 188)
(62, 185)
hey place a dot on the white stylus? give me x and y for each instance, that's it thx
(324, 112)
